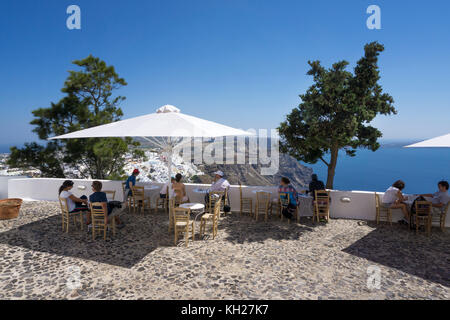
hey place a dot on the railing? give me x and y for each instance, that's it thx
(358, 205)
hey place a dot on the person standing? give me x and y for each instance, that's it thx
(131, 182)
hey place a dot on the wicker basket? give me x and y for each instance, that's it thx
(9, 208)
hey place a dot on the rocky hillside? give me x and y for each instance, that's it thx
(299, 175)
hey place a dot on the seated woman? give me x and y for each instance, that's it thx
(180, 189)
(74, 204)
(394, 199)
(99, 196)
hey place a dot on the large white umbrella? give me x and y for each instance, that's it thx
(168, 122)
(438, 142)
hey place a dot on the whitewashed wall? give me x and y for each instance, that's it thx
(4, 184)
(361, 205)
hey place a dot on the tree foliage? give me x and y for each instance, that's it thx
(336, 112)
(89, 101)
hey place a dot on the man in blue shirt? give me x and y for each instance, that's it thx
(131, 182)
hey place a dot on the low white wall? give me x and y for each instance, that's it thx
(361, 205)
(4, 185)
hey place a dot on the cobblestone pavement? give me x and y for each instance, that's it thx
(248, 260)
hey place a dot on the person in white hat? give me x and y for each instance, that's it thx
(219, 184)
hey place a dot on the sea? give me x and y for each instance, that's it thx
(420, 168)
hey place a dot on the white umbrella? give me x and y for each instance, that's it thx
(438, 142)
(167, 122)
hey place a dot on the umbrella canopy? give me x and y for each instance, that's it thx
(439, 142)
(168, 121)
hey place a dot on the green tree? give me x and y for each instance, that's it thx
(336, 112)
(88, 102)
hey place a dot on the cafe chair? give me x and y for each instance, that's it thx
(163, 203)
(183, 224)
(139, 199)
(322, 205)
(215, 196)
(98, 223)
(110, 194)
(127, 199)
(381, 211)
(262, 205)
(439, 216)
(213, 218)
(246, 204)
(423, 216)
(284, 198)
(67, 216)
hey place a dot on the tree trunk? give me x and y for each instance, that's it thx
(332, 167)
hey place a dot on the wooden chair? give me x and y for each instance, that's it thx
(214, 196)
(262, 204)
(139, 199)
(246, 204)
(183, 224)
(172, 204)
(128, 200)
(110, 194)
(163, 202)
(284, 199)
(322, 205)
(213, 218)
(440, 217)
(66, 216)
(98, 224)
(381, 210)
(423, 215)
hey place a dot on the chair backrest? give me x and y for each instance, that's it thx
(322, 198)
(138, 192)
(216, 212)
(111, 193)
(97, 212)
(64, 206)
(263, 197)
(423, 208)
(284, 198)
(214, 196)
(240, 191)
(377, 200)
(181, 214)
(446, 208)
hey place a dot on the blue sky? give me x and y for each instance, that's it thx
(238, 62)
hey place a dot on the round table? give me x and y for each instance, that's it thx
(200, 190)
(151, 191)
(196, 207)
(256, 191)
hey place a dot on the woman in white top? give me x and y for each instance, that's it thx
(393, 198)
(74, 204)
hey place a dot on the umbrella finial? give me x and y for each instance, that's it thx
(168, 108)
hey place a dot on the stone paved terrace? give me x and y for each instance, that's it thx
(248, 260)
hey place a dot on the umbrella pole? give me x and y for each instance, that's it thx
(169, 167)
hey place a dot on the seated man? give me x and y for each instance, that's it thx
(219, 184)
(440, 198)
(314, 185)
(99, 196)
(131, 182)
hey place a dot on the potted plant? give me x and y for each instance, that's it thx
(9, 208)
